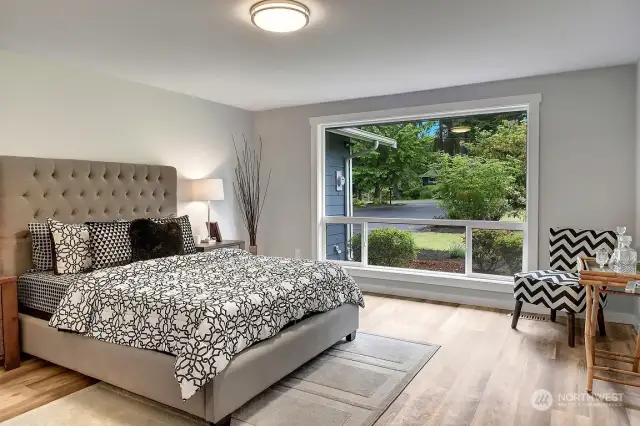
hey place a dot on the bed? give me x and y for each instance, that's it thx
(75, 191)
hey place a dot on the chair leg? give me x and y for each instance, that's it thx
(553, 315)
(571, 329)
(601, 326)
(516, 314)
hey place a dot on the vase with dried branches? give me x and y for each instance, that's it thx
(248, 188)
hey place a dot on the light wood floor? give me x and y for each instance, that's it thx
(484, 373)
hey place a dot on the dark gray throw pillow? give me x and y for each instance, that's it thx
(151, 240)
(188, 242)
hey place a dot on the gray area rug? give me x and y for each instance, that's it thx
(350, 384)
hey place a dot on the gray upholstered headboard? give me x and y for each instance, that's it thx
(74, 191)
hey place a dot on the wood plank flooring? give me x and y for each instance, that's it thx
(484, 373)
(36, 383)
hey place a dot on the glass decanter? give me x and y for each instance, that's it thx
(627, 257)
(620, 230)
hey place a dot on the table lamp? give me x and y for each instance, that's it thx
(208, 190)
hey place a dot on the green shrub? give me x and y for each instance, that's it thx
(497, 251)
(471, 188)
(425, 193)
(508, 144)
(418, 193)
(412, 194)
(457, 251)
(387, 247)
(359, 203)
(385, 196)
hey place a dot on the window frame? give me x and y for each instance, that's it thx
(529, 103)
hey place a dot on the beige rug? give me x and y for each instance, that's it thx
(350, 384)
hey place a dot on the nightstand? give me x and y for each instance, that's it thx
(9, 338)
(222, 244)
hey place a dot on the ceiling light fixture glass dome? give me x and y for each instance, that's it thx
(280, 16)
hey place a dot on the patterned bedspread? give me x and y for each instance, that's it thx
(202, 308)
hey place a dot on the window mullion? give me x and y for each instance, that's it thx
(468, 258)
(364, 246)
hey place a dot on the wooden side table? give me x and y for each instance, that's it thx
(222, 244)
(596, 282)
(9, 337)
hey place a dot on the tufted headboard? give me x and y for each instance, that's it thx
(74, 191)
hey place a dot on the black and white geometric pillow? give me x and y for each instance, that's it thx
(70, 247)
(110, 243)
(41, 247)
(188, 242)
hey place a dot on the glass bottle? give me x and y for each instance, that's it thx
(620, 230)
(627, 257)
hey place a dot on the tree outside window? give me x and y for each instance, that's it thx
(469, 168)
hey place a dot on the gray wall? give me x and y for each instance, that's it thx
(638, 170)
(638, 155)
(587, 152)
(50, 110)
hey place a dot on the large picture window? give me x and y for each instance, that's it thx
(447, 192)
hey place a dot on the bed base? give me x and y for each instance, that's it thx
(150, 373)
(224, 422)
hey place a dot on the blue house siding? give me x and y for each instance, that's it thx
(336, 153)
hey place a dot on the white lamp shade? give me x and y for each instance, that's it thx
(207, 190)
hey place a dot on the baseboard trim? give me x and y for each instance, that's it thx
(507, 305)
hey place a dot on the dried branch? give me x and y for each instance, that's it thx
(247, 187)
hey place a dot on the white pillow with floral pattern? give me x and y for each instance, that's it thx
(71, 253)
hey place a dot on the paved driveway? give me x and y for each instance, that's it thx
(411, 209)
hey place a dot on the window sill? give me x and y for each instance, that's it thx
(487, 283)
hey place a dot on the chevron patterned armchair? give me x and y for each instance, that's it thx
(558, 288)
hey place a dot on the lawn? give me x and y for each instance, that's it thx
(511, 218)
(440, 241)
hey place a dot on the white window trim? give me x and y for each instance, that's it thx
(319, 125)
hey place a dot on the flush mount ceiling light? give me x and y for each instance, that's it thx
(280, 16)
(460, 129)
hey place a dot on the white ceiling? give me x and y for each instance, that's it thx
(351, 49)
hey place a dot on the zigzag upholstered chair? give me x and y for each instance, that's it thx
(558, 288)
